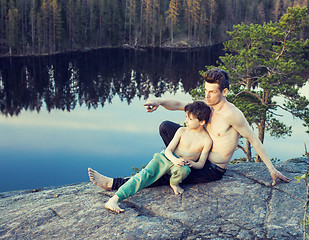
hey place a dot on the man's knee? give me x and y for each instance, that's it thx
(164, 126)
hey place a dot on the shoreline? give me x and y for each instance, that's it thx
(40, 189)
(175, 47)
(36, 190)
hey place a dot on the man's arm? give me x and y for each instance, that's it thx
(240, 124)
(153, 104)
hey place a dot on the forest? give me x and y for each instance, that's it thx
(37, 27)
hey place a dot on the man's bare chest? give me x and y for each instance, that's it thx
(218, 127)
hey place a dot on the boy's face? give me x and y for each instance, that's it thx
(192, 122)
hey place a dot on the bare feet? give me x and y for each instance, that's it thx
(101, 181)
(112, 204)
(177, 189)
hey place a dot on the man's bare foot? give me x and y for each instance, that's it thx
(101, 181)
(177, 189)
(112, 204)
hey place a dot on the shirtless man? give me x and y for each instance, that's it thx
(225, 126)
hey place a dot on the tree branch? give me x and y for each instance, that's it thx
(284, 43)
(250, 93)
(283, 108)
(241, 148)
(279, 115)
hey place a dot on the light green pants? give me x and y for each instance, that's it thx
(155, 169)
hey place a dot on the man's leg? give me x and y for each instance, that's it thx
(167, 131)
(100, 180)
(208, 173)
(108, 183)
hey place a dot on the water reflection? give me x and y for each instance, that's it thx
(93, 78)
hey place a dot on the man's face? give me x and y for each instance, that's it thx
(213, 95)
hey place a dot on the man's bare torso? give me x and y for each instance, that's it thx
(224, 137)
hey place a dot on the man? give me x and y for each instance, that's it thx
(225, 126)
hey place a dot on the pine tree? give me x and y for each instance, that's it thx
(212, 10)
(265, 61)
(269, 57)
(172, 17)
(12, 27)
(132, 17)
(278, 10)
(56, 24)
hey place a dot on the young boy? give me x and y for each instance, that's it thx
(189, 148)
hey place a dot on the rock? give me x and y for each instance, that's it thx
(243, 205)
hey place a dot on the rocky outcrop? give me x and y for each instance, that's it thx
(242, 205)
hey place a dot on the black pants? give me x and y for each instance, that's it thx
(210, 172)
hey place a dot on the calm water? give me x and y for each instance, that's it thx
(62, 114)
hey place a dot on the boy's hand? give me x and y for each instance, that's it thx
(189, 163)
(178, 162)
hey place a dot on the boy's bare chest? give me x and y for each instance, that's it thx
(191, 142)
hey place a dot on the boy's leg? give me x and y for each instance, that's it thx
(162, 181)
(177, 175)
(157, 167)
(167, 131)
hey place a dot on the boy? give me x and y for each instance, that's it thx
(189, 148)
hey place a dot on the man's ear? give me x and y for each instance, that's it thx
(202, 123)
(225, 92)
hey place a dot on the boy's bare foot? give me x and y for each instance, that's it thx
(112, 204)
(101, 181)
(177, 189)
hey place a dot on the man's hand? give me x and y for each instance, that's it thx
(278, 175)
(151, 105)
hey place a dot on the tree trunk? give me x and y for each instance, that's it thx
(261, 133)
(248, 151)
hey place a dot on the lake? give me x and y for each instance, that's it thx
(64, 113)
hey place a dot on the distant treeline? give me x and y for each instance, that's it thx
(49, 26)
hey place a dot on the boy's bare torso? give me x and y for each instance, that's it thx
(191, 144)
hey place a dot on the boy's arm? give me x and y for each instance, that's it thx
(240, 124)
(172, 146)
(153, 104)
(203, 157)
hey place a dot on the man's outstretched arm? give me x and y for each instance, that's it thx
(240, 124)
(153, 104)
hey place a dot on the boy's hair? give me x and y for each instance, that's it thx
(219, 76)
(199, 109)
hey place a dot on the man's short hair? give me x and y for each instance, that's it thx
(199, 109)
(219, 76)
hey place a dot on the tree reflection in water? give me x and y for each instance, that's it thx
(91, 78)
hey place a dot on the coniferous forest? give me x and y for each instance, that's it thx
(50, 26)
